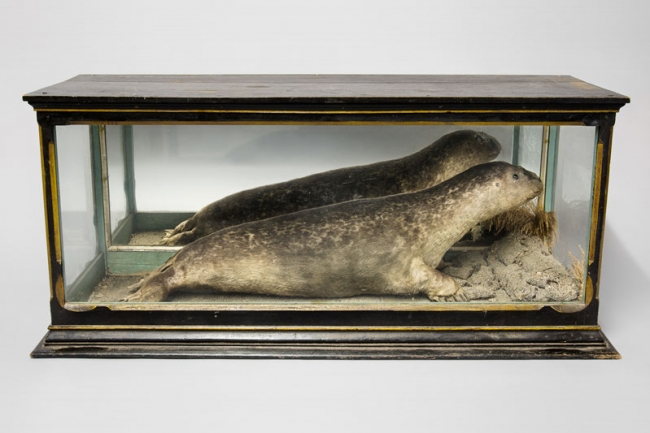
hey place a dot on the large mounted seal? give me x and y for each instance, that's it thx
(448, 156)
(382, 246)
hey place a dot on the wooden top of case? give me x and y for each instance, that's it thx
(322, 91)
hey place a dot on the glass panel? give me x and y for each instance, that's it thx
(573, 194)
(492, 244)
(530, 147)
(182, 168)
(75, 182)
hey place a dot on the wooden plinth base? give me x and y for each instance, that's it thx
(471, 344)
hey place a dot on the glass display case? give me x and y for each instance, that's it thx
(325, 216)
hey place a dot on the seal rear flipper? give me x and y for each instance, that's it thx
(152, 288)
(182, 238)
(184, 233)
(146, 293)
(132, 290)
(179, 237)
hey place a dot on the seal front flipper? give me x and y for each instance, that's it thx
(459, 296)
(434, 284)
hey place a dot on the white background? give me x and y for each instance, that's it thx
(604, 42)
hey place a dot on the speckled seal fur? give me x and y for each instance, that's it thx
(380, 246)
(448, 156)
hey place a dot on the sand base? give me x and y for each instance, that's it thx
(516, 268)
(146, 238)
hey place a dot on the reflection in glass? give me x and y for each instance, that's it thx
(116, 174)
(573, 194)
(75, 182)
(530, 149)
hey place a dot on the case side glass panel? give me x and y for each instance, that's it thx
(573, 195)
(81, 252)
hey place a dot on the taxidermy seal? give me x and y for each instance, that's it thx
(379, 246)
(448, 156)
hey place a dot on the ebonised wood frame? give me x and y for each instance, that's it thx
(548, 332)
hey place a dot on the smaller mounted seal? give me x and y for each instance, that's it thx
(448, 156)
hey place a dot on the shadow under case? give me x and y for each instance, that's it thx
(325, 216)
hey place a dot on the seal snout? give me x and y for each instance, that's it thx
(536, 184)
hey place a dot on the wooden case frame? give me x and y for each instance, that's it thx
(443, 331)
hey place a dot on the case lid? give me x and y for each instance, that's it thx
(186, 92)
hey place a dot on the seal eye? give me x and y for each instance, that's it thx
(515, 176)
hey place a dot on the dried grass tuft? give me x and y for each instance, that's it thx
(528, 219)
(578, 265)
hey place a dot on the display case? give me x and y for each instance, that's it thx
(325, 216)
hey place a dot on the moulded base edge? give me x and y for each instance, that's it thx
(547, 344)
